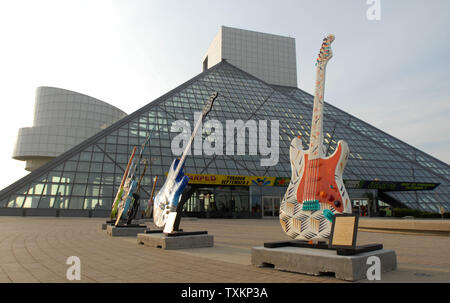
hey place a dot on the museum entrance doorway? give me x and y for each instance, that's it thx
(271, 206)
(360, 206)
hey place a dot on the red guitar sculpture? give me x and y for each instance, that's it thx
(316, 191)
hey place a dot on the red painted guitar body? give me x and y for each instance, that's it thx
(324, 186)
(327, 191)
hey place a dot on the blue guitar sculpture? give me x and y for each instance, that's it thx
(166, 201)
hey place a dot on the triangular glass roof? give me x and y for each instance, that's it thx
(87, 176)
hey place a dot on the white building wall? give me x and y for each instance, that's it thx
(214, 52)
(62, 119)
(269, 57)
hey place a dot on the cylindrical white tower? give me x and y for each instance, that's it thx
(62, 119)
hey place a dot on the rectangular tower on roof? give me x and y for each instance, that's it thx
(268, 57)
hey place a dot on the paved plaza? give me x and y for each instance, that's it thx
(35, 249)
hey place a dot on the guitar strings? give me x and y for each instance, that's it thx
(313, 196)
(318, 139)
(312, 173)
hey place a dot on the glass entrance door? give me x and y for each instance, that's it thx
(276, 206)
(271, 206)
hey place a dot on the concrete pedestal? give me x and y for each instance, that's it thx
(105, 225)
(142, 221)
(160, 240)
(127, 231)
(322, 261)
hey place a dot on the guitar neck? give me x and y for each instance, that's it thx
(140, 179)
(153, 188)
(188, 147)
(141, 152)
(130, 162)
(316, 136)
(205, 111)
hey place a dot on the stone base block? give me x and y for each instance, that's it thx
(160, 240)
(120, 231)
(142, 221)
(322, 261)
(105, 225)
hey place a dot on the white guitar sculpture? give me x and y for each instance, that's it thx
(166, 201)
(316, 191)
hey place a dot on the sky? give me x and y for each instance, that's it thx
(392, 73)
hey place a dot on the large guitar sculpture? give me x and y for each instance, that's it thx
(166, 201)
(316, 191)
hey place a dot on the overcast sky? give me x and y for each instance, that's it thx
(393, 73)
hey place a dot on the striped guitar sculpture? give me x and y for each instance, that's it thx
(124, 185)
(127, 198)
(316, 191)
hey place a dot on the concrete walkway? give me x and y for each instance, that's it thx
(35, 249)
(438, 227)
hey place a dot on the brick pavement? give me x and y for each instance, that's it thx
(35, 249)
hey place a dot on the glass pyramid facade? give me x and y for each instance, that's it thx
(88, 175)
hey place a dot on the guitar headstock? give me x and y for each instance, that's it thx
(325, 52)
(209, 104)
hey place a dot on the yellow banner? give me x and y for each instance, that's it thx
(230, 180)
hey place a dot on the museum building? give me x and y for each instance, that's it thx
(255, 75)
